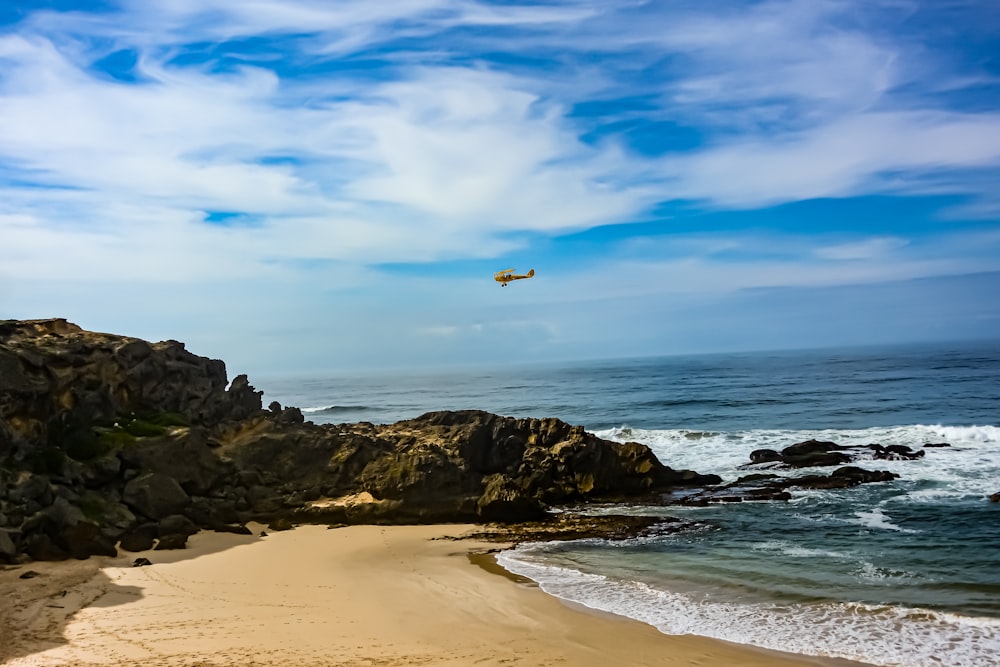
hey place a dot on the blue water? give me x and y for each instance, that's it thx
(900, 573)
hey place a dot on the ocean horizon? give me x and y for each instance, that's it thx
(901, 573)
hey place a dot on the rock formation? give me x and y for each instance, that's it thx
(109, 440)
(816, 453)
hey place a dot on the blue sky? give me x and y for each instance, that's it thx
(313, 185)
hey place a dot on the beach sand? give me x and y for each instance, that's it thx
(311, 597)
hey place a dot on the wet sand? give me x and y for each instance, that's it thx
(311, 597)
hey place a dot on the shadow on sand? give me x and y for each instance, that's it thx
(38, 600)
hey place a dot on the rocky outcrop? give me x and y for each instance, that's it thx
(773, 487)
(109, 440)
(817, 453)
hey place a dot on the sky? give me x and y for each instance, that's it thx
(328, 185)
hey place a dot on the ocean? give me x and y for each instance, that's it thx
(903, 573)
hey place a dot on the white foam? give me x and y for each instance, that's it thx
(795, 551)
(872, 572)
(877, 519)
(879, 635)
(968, 468)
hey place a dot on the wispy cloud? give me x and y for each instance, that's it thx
(281, 144)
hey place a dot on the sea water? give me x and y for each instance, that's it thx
(898, 573)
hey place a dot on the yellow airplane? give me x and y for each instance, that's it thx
(507, 275)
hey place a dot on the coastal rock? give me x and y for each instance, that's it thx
(995, 498)
(183, 455)
(155, 495)
(139, 538)
(764, 456)
(502, 501)
(279, 524)
(771, 487)
(176, 524)
(896, 452)
(821, 453)
(8, 550)
(57, 381)
(106, 438)
(61, 529)
(571, 525)
(845, 477)
(172, 541)
(234, 529)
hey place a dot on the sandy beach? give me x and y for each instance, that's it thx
(311, 597)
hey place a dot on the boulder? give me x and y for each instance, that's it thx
(280, 524)
(812, 453)
(176, 524)
(504, 502)
(139, 538)
(811, 446)
(764, 456)
(8, 550)
(67, 533)
(183, 455)
(172, 541)
(155, 495)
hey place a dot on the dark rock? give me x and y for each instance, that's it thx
(155, 495)
(184, 456)
(573, 526)
(176, 524)
(32, 487)
(41, 547)
(864, 476)
(68, 531)
(845, 477)
(502, 501)
(139, 538)
(818, 453)
(807, 447)
(102, 470)
(995, 498)
(240, 529)
(279, 524)
(817, 459)
(264, 500)
(896, 452)
(172, 541)
(764, 456)
(211, 512)
(141, 562)
(937, 444)
(30, 574)
(8, 550)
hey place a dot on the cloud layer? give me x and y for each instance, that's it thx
(303, 153)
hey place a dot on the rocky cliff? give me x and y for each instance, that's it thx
(111, 442)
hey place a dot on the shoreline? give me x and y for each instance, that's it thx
(313, 596)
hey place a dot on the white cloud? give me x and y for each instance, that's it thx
(468, 135)
(850, 156)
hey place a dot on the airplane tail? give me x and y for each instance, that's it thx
(531, 273)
